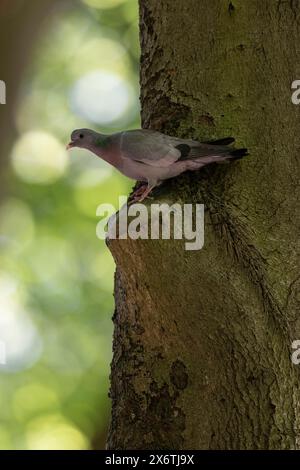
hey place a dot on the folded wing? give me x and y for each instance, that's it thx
(160, 150)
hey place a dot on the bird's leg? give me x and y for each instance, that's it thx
(146, 192)
(142, 195)
(139, 190)
(136, 193)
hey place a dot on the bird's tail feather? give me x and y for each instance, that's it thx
(222, 157)
(224, 141)
(236, 154)
(232, 154)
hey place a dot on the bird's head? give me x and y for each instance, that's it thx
(83, 138)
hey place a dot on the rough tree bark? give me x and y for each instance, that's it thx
(202, 341)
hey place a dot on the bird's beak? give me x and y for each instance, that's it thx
(70, 145)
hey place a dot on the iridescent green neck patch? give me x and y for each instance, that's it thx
(102, 141)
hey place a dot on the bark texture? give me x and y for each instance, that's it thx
(202, 341)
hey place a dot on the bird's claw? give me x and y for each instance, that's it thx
(140, 194)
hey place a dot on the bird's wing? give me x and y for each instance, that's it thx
(149, 147)
(156, 149)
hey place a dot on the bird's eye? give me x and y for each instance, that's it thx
(81, 136)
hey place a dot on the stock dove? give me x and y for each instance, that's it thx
(152, 157)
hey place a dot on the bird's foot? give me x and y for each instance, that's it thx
(140, 195)
(134, 197)
(145, 195)
(139, 191)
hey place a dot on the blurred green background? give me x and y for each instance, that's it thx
(56, 277)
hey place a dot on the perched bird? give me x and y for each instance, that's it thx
(152, 157)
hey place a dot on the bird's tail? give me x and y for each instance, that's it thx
(224, 141)
(230, 153)
(237, 154)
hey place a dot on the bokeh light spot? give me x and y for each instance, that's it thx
(101, 97)
(16, 225)
(38, 157)
(57, 255)
(17, 332)
(54, 432)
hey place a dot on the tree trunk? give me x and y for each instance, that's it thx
(202, 341)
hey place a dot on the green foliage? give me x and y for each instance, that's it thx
(56, 277)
